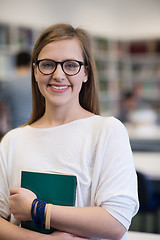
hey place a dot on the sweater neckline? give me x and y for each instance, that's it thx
(65, 124)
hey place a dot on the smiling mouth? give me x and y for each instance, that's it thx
(59, 87)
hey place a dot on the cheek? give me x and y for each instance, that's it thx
(79, 78)
(41, 79)
(42, 83)
(77, 83)
(41, 88)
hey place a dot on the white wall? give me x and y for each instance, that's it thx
(111, 18)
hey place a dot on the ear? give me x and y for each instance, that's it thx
(85, 80)
(85, 75)
(35, 70)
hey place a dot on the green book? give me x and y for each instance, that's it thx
(51, 187)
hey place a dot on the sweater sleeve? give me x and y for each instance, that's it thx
(117, 184)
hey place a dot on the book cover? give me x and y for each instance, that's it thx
(51, 187)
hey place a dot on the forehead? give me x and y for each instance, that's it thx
(62, 49)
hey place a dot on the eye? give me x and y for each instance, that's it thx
(71, 65)
(47, 64)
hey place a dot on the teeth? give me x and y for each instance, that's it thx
(64, 87)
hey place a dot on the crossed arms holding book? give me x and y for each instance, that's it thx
(72, 222)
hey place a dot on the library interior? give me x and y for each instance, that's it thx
(126, 37)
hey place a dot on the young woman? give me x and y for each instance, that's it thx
(66, 134)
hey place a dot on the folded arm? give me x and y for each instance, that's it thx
(90, 222)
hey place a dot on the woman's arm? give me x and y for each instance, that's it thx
(9, 231)
(81, 221)
(91, 222)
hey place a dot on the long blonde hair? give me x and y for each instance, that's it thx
(88, 96)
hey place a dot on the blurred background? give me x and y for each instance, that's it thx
(126, 37)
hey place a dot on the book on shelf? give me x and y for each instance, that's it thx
(4, 34)
(51, 187)
(25, 36)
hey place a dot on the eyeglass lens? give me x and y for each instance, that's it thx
(70, 67)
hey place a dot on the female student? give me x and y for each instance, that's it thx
(66, 134)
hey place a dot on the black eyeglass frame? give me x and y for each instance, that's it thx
(61, 63)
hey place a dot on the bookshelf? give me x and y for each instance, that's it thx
(128, 66)
(12, 40)
(106, 61)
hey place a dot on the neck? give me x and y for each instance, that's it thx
(59, 116)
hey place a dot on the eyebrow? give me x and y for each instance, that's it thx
(67, 59)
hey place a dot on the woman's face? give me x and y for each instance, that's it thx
(58, 88)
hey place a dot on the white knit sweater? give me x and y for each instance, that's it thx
(95, 149)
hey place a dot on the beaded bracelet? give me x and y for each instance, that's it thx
(32, 210)
(40, 212)
(38, 219)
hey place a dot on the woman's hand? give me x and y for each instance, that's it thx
(20, 202)
(64, 236)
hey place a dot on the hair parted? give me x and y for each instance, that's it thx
(88, 96)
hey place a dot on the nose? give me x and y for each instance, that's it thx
(58, 74)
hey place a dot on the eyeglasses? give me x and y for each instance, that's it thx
(69, 67)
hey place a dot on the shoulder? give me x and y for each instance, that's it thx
(13, 134)
(110, 126)
(108, 122)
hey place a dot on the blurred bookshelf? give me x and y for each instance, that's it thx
(12, 40)
(128, 66)
(106, 61)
